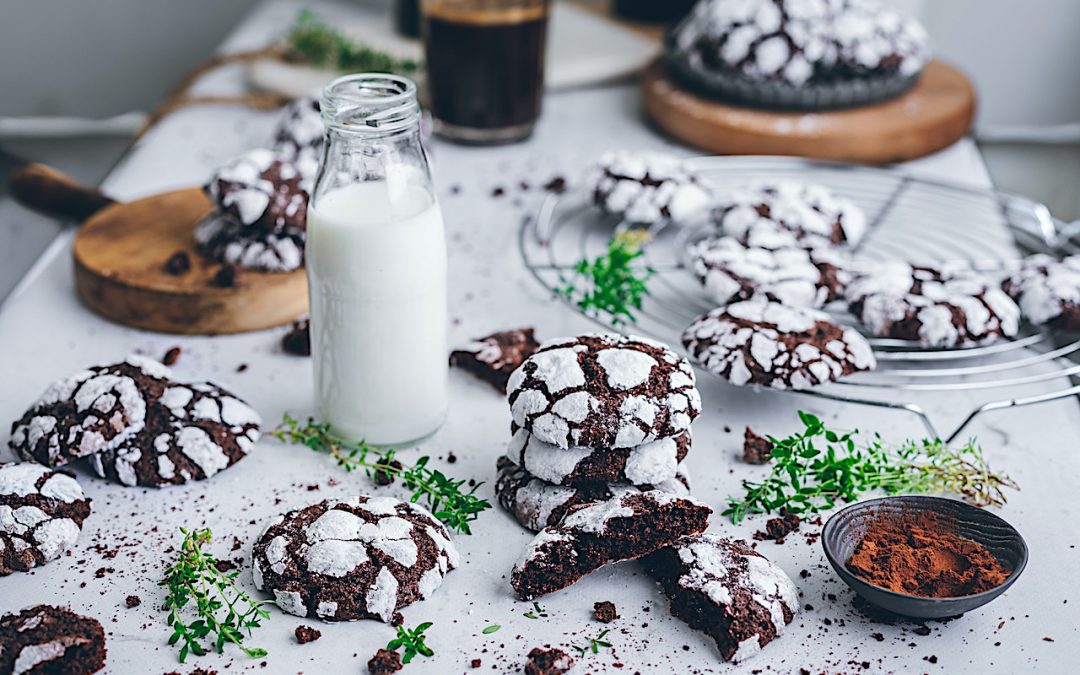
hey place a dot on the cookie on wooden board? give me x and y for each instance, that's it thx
(251, 248)
(604, 391)
(41, 515)
(300, 135)
(622, 528)
(777, 346)
(47, 640)
(728, 590)
(363, 558)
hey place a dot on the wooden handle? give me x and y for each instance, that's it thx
(55, 194)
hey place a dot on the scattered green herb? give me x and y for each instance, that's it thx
(537, 612)
(594, 644)
(445, 497)
(807, 478)
(493, 628)
(613, 283)
(316, 43)
(195, 578)
(412, 641)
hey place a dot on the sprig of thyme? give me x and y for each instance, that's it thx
(613, 283)
(314, 42)
(594, 644)
(807, 478)
(195, 579)
(445, 497)
(412, 641)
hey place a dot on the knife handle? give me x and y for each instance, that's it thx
(45, 190)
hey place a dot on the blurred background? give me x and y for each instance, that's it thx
(79, 78)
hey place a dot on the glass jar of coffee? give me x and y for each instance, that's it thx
(485, 66)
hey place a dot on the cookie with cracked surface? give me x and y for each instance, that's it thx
(41, 515)
(1048, 291)
(261, 190)
(776, 346)
(646, 187)
(603, 391)
(788, 214)
(252, 248)
(732, 272)
(728, 590)
(622, 528)
(648, 464)
(45, 639)
(947, 306)
(536, 503)
(91, 411)
(494, 357)
(300, 135)
(363, 558)
(192, 432)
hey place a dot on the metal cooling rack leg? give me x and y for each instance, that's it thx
(1012, 403)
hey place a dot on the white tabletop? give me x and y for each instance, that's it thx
(47, 334)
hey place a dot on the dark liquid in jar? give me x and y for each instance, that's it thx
(486, 67)
(653, 11)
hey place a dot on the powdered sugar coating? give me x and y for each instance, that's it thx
(1048, 291)
(364, 558)
(749, 600)
(949, 306)
(646, 187)
(773, 345)
(788, 214)
(732, 272)
(801, 42)
(193, 432)
(226, 241)
(41, 515)
(260, 189)
(91, 411)
(624, 405)
(300, 135)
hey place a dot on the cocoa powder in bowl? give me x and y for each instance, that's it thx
(921, 554)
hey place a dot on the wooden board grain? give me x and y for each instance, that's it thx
(936, 113)
(120, 254)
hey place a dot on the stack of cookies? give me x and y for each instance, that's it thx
(595, 416)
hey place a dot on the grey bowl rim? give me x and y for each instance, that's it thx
(851, 578)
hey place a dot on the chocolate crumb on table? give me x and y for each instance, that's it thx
(492, 358)
(605, 611)
(475, 663)
(298, 340)
(178, 264)
(556, 185)
(306, 634)
(384, 662)
(550, 661)
(133, 601)
(778, 528)
(756, 448)
(171, 356)
(382, 476)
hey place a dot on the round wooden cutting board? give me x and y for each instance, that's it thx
(934, 114)
(120, 254)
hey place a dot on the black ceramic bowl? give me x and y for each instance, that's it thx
(845, 529)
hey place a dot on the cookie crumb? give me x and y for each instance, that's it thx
(383, 477)
(384, 662)
(475, 663)
(451, 458)
(298, 340)
(306, 634)
(550, 661)
(556, 185)
(242, 367)
(133, 601)
(756, 448)
(777, 529)
(171, 356)
(226, 276)
(178, 264)
(605, 611)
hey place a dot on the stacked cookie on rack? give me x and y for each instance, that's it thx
(595, 416)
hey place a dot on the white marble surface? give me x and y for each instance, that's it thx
(47, 334)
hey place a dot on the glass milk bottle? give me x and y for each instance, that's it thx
(376, 266)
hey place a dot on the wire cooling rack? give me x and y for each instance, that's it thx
(909, 218)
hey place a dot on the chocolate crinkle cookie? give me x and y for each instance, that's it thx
(788, 214)
(647, 464)
(536, 503)
(625, 527)
(492, 358)
(646, 187)
(41, 515)
(548, 661)
(230, 242)
(300, 135)
(732, 272)
(777, 346)
(363, 558)
(192, 432)
(726, 589)
(603, 391)
(44, 640)
(93, 410)
(947, 306)
(1048, 291)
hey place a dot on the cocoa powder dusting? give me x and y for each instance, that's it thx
(920, 554)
